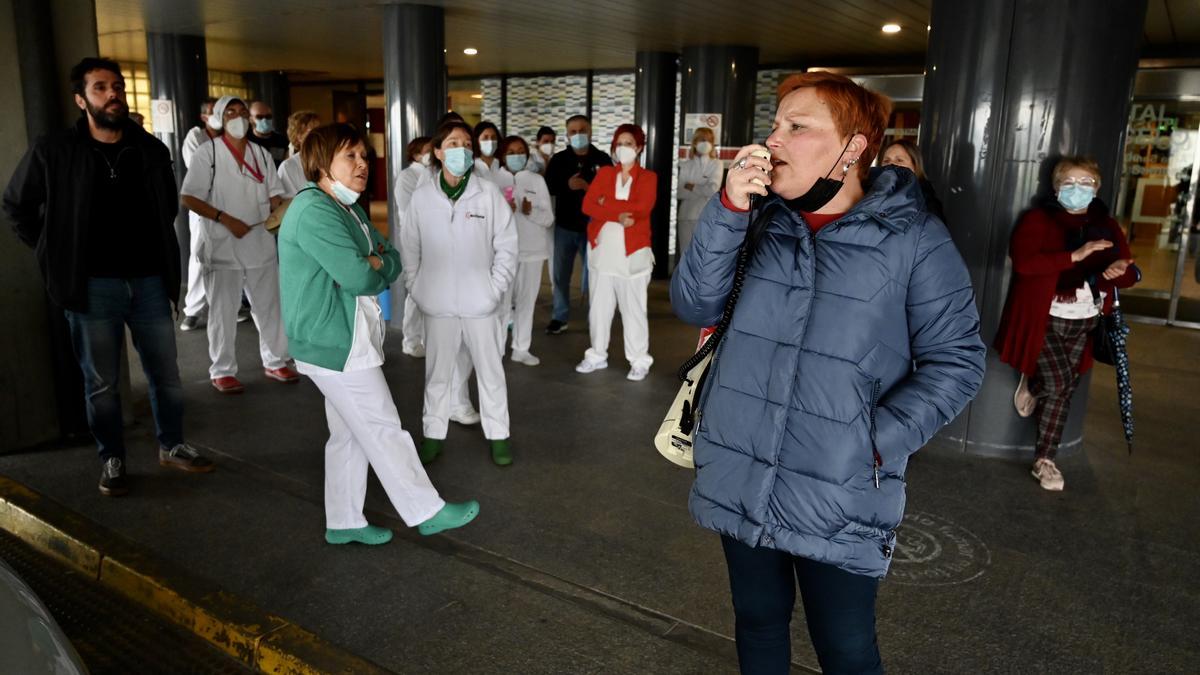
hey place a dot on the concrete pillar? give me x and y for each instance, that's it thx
(414, 82)
(40, 385)
(178, 66)
(654, 111)
(1010, 86)
(721, 79)
(271, 87)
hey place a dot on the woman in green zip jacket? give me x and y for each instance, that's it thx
(332, 264)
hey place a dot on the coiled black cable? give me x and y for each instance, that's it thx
(754, 231)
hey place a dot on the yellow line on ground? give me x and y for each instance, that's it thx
(267, 643)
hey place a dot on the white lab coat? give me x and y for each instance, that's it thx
(459, 260)
(412, 325)
(704, 173)
(459, 257)
(219, 180)
(535, 233)
(195, 302)
(494, 173)
(232, 265)
(291, 176)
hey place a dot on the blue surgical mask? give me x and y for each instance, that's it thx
(344, 194)
(1076, 197)
(515, 162)
(459, 161)
(264, 126)
(579, 141)
(488, 148)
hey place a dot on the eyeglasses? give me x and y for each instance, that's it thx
(1082, 182)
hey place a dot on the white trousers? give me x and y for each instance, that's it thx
(225, 298)
(609, 293)
(445, 369)
(364, 429)
(525, 292)
(194, 303)
(413, 325)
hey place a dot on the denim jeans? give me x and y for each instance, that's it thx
(97, 336)
(566, 245)
(839, 608)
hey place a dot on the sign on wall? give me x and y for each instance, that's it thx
(162, 115)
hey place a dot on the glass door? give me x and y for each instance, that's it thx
(1156, 206)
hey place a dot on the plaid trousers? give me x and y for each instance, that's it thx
(1056, 378)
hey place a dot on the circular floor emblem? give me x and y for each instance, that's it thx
(932, 551)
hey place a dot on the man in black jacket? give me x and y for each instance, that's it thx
(568, 176)
(98, 203)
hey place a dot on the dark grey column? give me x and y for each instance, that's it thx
(40, 84)
(178, 67)
(414, 82)
(1010, 86)
(271, 87)
(721, 80)
(654, 111)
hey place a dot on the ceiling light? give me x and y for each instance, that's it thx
(891, 28)
(471, 51)
(476, 95)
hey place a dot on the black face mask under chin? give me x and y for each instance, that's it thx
(824, 190)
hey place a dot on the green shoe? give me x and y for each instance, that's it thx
(430, 449)
(502, 452)
(369, 535)
(450, 517)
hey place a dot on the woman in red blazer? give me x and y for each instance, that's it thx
(618, 202)
(1067, 259)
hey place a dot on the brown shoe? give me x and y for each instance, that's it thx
(228, 385)
(284, 374)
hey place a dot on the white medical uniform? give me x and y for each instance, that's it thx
(619, 281)
(232, 265)
(194, 302)
(704, 173)
(291, 176)
(495, 173)
(459, 259)
(412, 325)
(535, 234)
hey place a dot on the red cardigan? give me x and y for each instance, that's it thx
(1038, 252)
(642, 195)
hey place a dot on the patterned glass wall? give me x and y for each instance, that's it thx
(546, 100)
(490, 87)
(612, 105)
(764, 101)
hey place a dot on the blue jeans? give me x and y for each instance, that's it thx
(839, 608)
(97, 336)
(566, 245)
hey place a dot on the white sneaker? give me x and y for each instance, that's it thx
(589, 366)
(417, 352)
(637, 373)
(525, 357)
(466, 416)
(1048, 475)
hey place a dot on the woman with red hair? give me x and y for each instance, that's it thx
(855, 338)
(619, 258)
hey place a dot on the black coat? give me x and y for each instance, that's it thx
(49, 200)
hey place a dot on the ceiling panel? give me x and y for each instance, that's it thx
(342, 38)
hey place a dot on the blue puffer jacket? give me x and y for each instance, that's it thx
(869, 328)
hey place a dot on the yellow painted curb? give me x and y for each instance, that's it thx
(264, 642)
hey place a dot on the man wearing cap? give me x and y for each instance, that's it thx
(232, 185)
